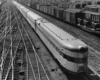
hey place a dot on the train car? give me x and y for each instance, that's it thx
(92, 8)
(58, 12)
(98, 6)
(63, 5)
(98, 3)
(70, 52)
(61, 12)
(91, 22)
(52, 11)
(71, 15)
(17, 5)
(24, 11)
(57, 44)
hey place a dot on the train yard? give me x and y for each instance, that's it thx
(18, 50)
(91, 39)
(25, 57)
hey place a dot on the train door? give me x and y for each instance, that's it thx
(35, 25)
(72, 17)
(67, 16)
(64, 15)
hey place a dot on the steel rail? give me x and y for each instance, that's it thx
(26, 52)
(34, 50)
(13, 41)
(3, 22)
(6, 34)
(13, 59)
(1, 16)
(3, 52)
(8, 51)
(5, 37)
(11, 47)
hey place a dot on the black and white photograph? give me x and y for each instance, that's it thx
(49, 39)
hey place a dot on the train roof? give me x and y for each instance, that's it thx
(34, 15)
(58, 8)
(73, 10)
(92, 6)
(98, 6)
(65, 39)
(90, 12)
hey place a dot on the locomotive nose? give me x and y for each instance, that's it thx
(83, 49)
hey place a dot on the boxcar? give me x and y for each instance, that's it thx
(66, 16)
(92, 20)
(56, 12)
(61, 12)
(63, 5)
(71, 15)
(87, 15)
(44, 9)
(92, 16)
(52, 11)
(95, 17)
(92, 8)
(98, 8)
(49, 9)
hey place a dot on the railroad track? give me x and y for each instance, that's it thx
(10, 44)
(10, 67)
(24, 64)
(35, 67)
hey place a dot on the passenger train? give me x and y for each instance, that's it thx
(69, 51)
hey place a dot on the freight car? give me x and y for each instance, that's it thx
(93, 8)
(91, 22)
(87, 20)
(70, 52)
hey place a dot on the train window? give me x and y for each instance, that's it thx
(81, 60)
(75, 60)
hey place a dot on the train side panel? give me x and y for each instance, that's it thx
(25, 11)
